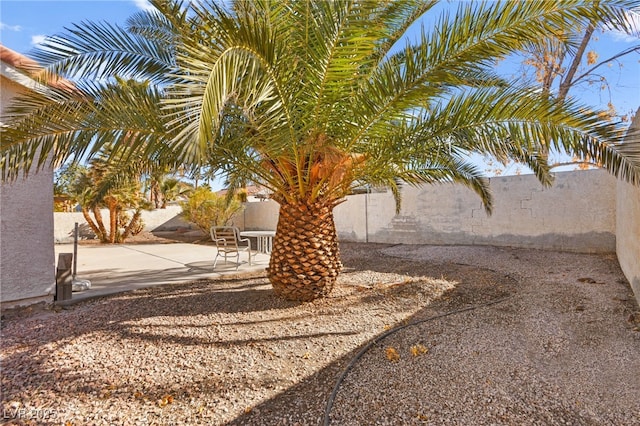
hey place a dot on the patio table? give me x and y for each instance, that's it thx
(264, 239)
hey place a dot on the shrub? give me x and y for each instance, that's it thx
(206, 209)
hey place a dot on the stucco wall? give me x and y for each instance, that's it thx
(576, 214)
(27, 264)
(168, 219)
(628, 226)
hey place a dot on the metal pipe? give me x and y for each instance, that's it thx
(366, 215)
(75, 250)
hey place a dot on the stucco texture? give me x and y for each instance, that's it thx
(27, 265)
(628, 224)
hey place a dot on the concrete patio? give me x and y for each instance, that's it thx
(123, 267)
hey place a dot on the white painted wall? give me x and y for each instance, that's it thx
(27, 264)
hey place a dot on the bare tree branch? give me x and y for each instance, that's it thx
(613, 58)
(567, 81)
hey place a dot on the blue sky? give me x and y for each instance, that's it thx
(25, 22)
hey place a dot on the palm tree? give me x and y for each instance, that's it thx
(313, 98)
(105, 185)
(163, 187)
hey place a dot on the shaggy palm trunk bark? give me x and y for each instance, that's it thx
(305, 260)
(155, 194)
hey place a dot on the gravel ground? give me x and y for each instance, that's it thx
(453, 335)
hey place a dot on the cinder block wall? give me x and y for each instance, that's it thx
(258, 216)
(584, 211)
(576, 214)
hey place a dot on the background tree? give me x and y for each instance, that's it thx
(567, 59)
(313, 98)
(100, 186)
(562, 62)
(162, 188)
(205, 208)
(63, 180)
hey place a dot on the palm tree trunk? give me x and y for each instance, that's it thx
(131, 226)
(113, 221)
(103, 232)
(155, 193)
(92, 225)
(305, 259)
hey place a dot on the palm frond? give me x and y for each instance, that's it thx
(93, 51)
(286, 93)
(72, 126)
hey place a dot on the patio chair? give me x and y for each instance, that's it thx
(229, 243)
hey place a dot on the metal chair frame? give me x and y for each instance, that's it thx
(228, 243)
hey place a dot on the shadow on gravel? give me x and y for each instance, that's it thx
(476, 286)
(538, 357)
(130, 317)
(308, 398)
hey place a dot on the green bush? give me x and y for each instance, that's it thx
(206, 209)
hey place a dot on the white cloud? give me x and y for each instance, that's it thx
(37, 39)
(4, 26)
(143, 4)
(633, 18)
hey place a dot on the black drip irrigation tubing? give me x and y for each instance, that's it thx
(332, 397)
